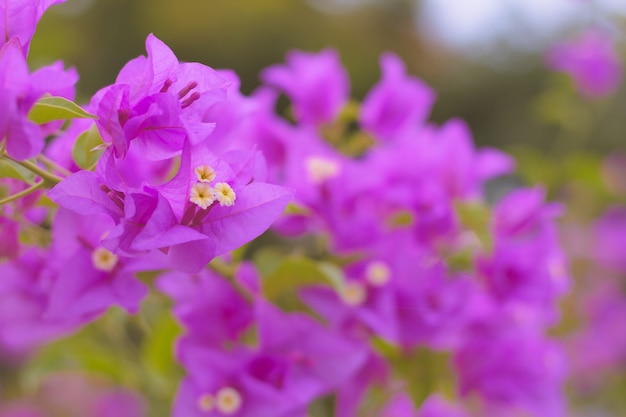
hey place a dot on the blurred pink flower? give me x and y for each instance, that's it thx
(592, 62)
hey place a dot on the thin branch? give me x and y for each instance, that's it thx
(53, 165)
(23, 193)
(51, 179)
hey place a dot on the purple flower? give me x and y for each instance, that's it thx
(240, 383)
(158, 103)
(321, 359)
(20, 18)
(24, 294)
(513, 371)
(212, 206)
(599, 349)
(592, 62)
(608, 236)
(204, 295)
(317, 84)
(19, 90)
(398, 102)
(91, 278)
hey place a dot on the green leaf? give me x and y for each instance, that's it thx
(293, 273)
(157, 350)
(84, 153)
(48, 108)
(10, 169)
(477, 218)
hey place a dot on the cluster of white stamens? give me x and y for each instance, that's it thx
(224, 194)
(377, 273)
(103, 259)
(353, 293)
(203, 195)
(226, 400)
(204, 173)
(320, 169)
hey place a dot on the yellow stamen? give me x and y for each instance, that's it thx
(225, 194)
(202, 195)
(103, 259)
(228, 400)
(204, 173)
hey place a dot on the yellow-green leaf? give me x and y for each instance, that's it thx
(10, 169)
(48, 108)
(293, 273)
(84, 153)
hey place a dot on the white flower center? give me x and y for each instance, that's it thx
(353, 293)
(204, 173)
(321, 169)
(224, 194)
(202, 195)
(228, 400)
(377, 273)
(103, 259)
(206, 403)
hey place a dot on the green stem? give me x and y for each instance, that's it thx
(53, 165)
(49, 178)
(22, 193)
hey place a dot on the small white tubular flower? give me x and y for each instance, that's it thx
(377, 273)
(228, 400)
(202, 195)
(353, 293)
(204, 173)
(206, 403)
(103, 259)
(224, 194)
(321, 169)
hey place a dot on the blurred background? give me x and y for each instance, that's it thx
(485, 58)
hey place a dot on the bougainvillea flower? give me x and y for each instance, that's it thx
(210, 207)
(523, 213)
(92, 278)
(316, 83)
(158, 103)
(599, 349)
(24, 294)
(320, 359)
(19, 90)
(203, 295)
(397, 102)
(513, 371)
(232, 383)
(20, 18)
(592, 61)
(608, 237)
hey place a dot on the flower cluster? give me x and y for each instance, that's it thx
(181, 169)
(419, 270)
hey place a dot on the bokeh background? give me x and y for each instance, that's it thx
(484, 57)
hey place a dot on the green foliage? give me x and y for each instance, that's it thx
(10, 169)
(292, 273)
(476, 217)
(85, 152)
(48, 109)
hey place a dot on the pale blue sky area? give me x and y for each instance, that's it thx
(519, 23)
